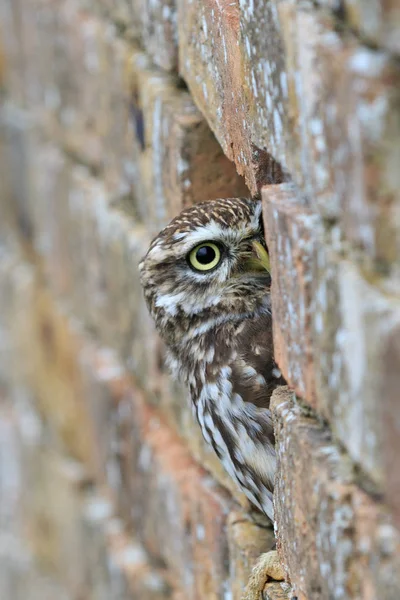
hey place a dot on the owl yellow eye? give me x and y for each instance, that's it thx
(205, 257)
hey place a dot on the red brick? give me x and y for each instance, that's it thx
(285, 82)
(103, 290)
(334, 539)
(210, 62)
(178, 160)
(291, 231)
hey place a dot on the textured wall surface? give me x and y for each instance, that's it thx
(115, 114)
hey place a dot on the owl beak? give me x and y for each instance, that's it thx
(260, 259)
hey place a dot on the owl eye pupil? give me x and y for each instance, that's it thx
(205, 255)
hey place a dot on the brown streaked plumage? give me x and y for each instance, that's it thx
(206, 283)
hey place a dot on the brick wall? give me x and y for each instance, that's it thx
(114, 115)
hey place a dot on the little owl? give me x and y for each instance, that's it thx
(206, 282)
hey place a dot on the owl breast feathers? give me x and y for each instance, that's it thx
(206, 282)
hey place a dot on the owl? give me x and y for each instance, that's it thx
(206, 281)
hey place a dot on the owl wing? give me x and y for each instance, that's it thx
(255, 374)
(246, 375)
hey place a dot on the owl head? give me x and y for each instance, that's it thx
(211, 260)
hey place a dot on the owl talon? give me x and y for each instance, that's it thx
(267, 567)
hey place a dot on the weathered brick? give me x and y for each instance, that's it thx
(49, 194)
(334, 539)
(50, 374)
(104, 384)
(365, 152)
(210, 61)
(17, 46)
(378, 21)
(283, 80)
(172, 496)
(341, 157)
(16, 284)
(20, 576)
(353, 322)
(332, 328)
(94, 94)
(158, 31)
(178, 160)
(117, 566)
(42, 363)
(122, 12)
(291, 231)
(82, 88)
(52, 515)
(103, 289)
(323, 85)
(18, 143)
(390, 420)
